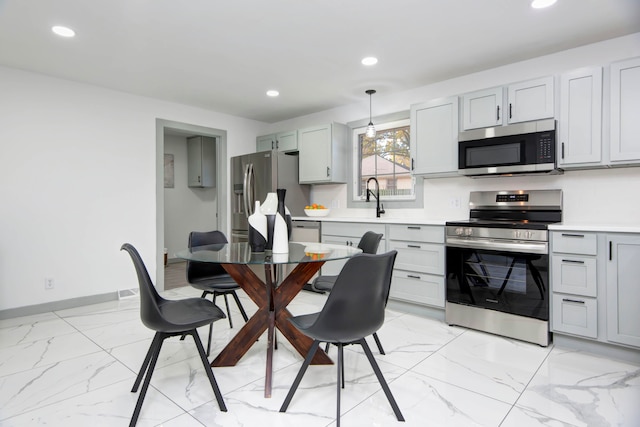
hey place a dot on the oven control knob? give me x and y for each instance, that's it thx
(459, 231)
(517, 234)
(468, 231)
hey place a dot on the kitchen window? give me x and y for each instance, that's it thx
(387, 157)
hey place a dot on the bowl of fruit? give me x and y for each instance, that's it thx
(316, 210)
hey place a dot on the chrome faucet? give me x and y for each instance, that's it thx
(379, 207)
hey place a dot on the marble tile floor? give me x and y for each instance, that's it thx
(76, 367)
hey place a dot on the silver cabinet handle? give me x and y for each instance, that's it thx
(328, 171)
(572, 235)
(572, 300)
(413, 227)
(414, 246)
(574, 261)
(412, 276)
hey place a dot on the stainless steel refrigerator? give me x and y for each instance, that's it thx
(255, 175)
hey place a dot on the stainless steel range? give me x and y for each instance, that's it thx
(498, 263)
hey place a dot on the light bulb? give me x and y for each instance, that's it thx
(371, 130)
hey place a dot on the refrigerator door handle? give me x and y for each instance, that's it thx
(245, 191)
(251, 193)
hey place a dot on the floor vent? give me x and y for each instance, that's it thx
(127, 293)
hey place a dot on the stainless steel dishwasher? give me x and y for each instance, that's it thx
(305, 231)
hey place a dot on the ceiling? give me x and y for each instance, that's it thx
(224, 55)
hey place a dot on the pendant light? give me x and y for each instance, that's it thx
(371, 130)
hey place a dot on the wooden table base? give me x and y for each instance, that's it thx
(272, 313)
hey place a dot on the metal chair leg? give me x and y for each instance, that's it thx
(145, 364)
(209, 340)
(340, 381)
(147, 378)
(303, 369)
(240, 307)
(207, 368)
(383, 383)
(380, 349)
(226, 303)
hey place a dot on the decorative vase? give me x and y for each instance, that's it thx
(280, 229)
(269, 209)
(258, 230)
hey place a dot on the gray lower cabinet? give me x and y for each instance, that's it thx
(574, 279)
(418, 275)
(595, 286)
(349, 234)
(623, 289)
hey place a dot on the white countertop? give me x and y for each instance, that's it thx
(603, 228)
(373, 220)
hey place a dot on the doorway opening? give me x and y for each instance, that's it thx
(206, 208)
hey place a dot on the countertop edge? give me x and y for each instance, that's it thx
(418, 221)
(602, 228)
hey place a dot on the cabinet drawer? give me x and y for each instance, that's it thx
(572, 242)
(417, 288)
(422, 257)
(417, 233)
(350, 229)
(574, 274)
(575, 315)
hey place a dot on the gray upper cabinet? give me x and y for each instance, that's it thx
(283, 141)
(201, 161)
(434, 137)
(482, 109)
(625, 110)
(323, 153)
(526, 101)
(580, 123)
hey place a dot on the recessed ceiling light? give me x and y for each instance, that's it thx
(273, 93)
(63, 31)
(541, 4)
(369, 60)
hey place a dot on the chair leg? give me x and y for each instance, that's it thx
(340, 380)
(147, 378)
(341, 357)
(209, 340)
(145, 364)
(383, 383)
(303, 369)
(380, 349)
(207, 368)
(226, 303)
(326, 348)
(240, 307)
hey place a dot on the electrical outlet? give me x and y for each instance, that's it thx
(49, 283)
(454, 202)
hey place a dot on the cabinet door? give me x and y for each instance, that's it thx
(265, 143)
(623, 289)
(423, 257)
(482, 109)
(201, 161)
(287, 141)
(530, 100)
(315, 154)
(580, 117)
(434, 137)
(417, 288)
(625, 110)
(574, 274)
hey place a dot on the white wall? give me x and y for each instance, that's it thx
(594, 196)
(186, 208)
(78, 179)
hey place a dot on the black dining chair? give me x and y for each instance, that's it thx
(354, 309)
(369, 243)
(169, 318)
(211, 278)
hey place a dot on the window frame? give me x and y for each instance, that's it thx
(394, 202)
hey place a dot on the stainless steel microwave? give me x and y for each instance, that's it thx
(528, 147)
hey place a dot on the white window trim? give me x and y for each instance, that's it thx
(355, 156)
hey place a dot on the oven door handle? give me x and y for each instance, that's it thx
(499, 245)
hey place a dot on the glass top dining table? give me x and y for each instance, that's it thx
(271, 295)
